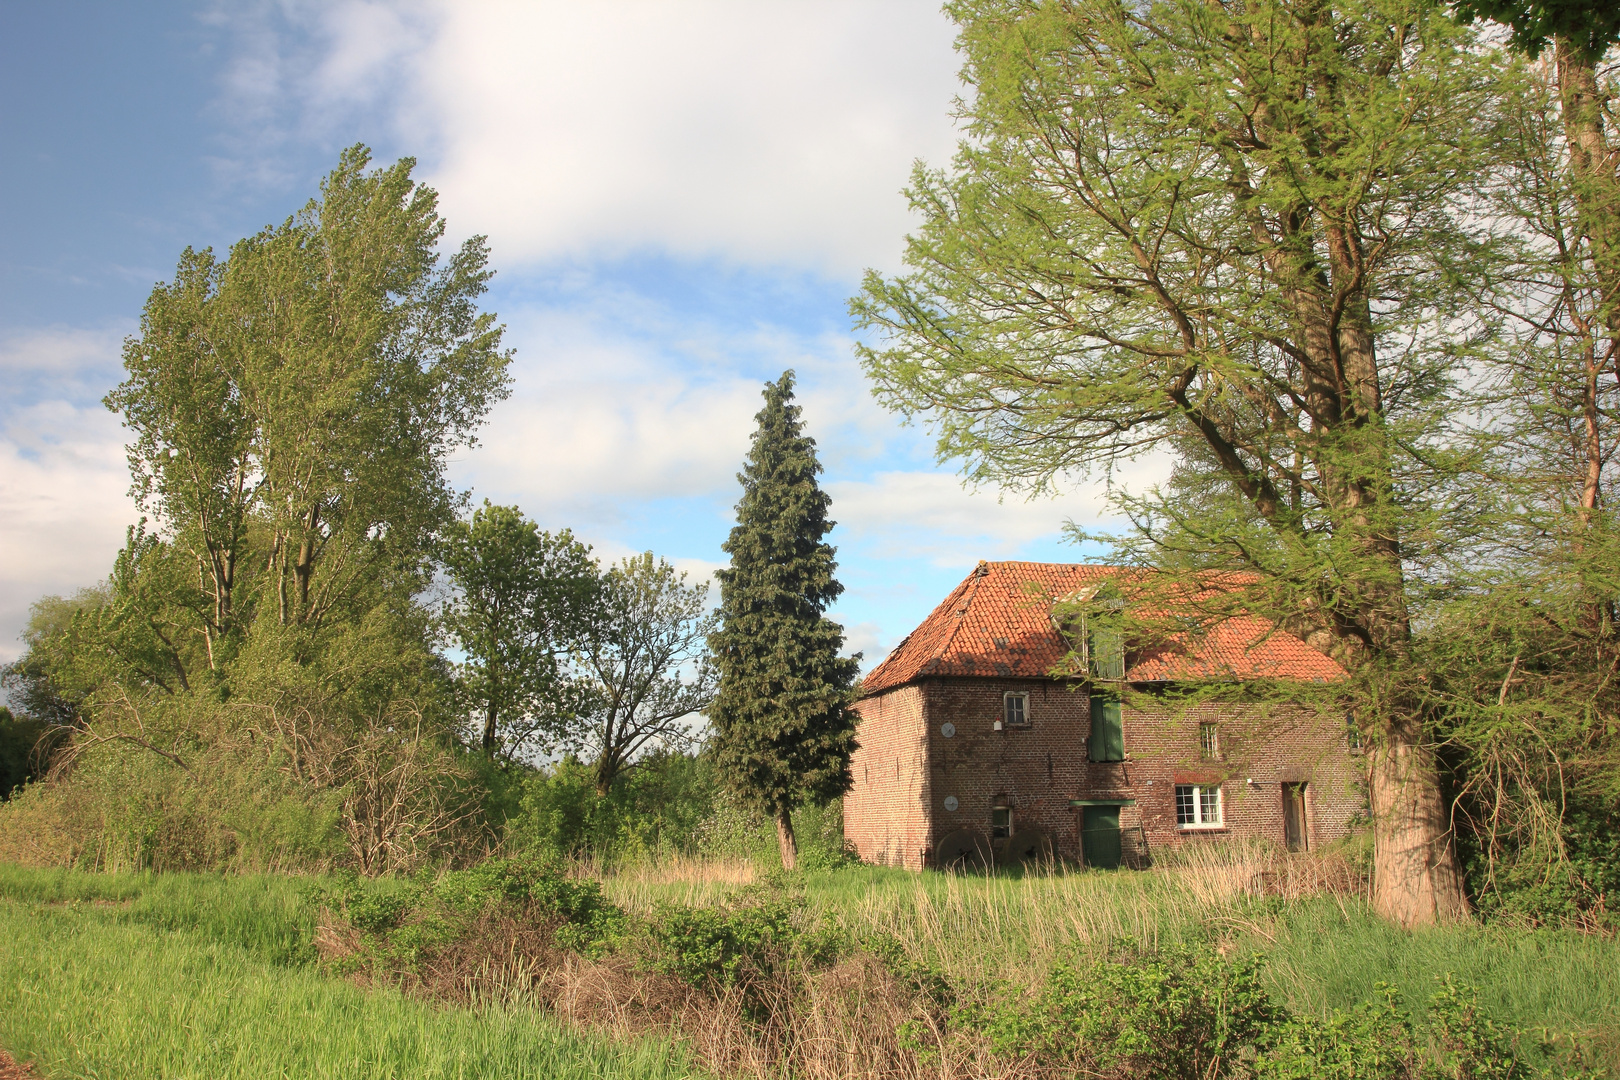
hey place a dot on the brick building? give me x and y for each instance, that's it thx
(972, 751)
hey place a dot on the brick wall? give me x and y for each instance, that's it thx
(1037, 768)
(886, 812)
(907, 768)
(1269, 746)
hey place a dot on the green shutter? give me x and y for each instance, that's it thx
(1107, 649)
(1107, 741)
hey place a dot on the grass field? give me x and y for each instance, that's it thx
(208, 976)
(1323, 952)
(191, 976)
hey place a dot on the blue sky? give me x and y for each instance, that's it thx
(680, 198)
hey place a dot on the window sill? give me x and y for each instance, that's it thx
(1200, 828)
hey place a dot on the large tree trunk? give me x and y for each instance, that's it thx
(1416, 880)
(1594, 167)
(1595, 172)
(786, 841)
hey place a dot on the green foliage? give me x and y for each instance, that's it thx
(660, 808)
(644, 665)
(1186, 1011)
(1373, 1040)
(1589, 27)
(20, 751)
(301, 399)
(1161, 1014)
(745, 943)
(783, 731)
(522, 599)
(1379, 1039)
(405, 922)
(256, 684)
(819, 832)
(760, 944)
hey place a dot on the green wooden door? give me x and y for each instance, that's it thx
(1099, 836)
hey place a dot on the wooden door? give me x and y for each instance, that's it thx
(1294, 831)
(1099, 836)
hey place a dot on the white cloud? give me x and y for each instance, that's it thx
(617, 402)
(867, 639)
(931, 515)
(64, 501)
(63, 506)
(61, 363)
(598, 418)
(770, 133)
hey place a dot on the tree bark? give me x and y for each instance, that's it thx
(786, 841)
(1595, 172)
(1594, 167)
(1416, 880)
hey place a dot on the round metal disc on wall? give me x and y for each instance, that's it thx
(947, 729)
(950, 800)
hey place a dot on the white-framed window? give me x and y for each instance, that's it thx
(1209, 742)
(1198, 806)
(1015, 709)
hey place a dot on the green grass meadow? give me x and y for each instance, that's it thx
(194, 975)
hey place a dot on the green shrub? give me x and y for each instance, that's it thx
(1186, 1011)
(1163, 1014)
(1379, 1040)
(656, 809)
(714, 947)
(401, 921)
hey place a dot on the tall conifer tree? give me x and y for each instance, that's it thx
(784, 729)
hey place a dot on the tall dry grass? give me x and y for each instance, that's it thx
(986, 935)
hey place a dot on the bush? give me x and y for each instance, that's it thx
(655, 810)
(1186, 1011)
(725, 947)
(1164, 1014)
(401, 923)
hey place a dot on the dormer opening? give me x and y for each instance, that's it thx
(1092, 619)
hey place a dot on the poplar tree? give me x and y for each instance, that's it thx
(783, 728)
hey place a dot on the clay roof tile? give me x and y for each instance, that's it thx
(998, 622)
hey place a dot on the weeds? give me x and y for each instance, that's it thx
(866, 972)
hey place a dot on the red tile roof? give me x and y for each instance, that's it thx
(998, 623)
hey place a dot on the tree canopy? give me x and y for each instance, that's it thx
(1226, 232)
(523, 598)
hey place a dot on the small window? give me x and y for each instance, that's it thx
(1107, 730)
(1000, 822)
(1352, 732)
(1015, 709)
(1209, 747)
(1198, 806)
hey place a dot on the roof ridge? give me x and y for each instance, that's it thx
(970, 588)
